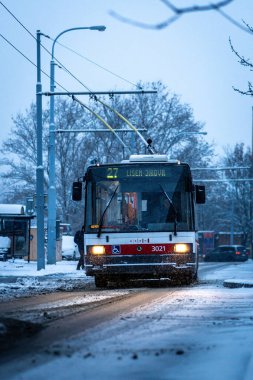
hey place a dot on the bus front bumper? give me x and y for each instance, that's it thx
(141, 266)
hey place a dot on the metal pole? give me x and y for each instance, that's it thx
(251, 189)
(232, 224)
(51, 246)
(51, 233)
(111, 93)
(39, 169)
(98, 130)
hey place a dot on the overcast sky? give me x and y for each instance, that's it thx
(192, 57)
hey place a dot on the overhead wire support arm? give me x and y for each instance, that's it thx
(49, 93)
(97, 130)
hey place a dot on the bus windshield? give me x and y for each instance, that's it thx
(140, 201)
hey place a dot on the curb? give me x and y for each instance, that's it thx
(238, 284)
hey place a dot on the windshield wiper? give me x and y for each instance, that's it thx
(174, 209)
(103, 215)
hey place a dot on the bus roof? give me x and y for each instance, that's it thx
(150, 158)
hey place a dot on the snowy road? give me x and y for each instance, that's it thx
(198, 332)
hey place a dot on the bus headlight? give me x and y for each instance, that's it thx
(97, 250)
(182, 248)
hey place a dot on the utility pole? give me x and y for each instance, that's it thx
(39, 169)
(251, 190)
(51, 251)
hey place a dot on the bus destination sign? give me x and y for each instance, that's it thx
(114, 172)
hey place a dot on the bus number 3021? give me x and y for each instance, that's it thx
(158, 248)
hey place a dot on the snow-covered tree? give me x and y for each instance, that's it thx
(239, 193)
(168, 122)
(229, 197)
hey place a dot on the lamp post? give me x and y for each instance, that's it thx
(51, 247)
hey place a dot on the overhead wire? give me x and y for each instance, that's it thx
(28, 31)
(74, 98)
(96, 64)
(30, 61)
(68, 48)
(19, 51)
(80, 82)
(222, 13)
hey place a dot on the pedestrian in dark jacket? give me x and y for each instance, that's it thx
(79, 240)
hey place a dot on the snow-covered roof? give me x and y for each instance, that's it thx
(12, 209)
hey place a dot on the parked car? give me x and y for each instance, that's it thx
(65, 228)
(227, 253)
(5, 247)
(69, 248)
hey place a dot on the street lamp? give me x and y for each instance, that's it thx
(51, 247)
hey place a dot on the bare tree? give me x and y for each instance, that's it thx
(246, 62)
(168, 123)
(239, 193)
(229, 203)
(20, 151)
(73, 150)
(243, 193)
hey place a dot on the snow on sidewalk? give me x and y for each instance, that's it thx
(22, 268)
(233, 274)
(19, 278)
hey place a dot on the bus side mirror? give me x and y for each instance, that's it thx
(77, 191)
(200, 194)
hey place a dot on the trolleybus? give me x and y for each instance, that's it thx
(139, 220)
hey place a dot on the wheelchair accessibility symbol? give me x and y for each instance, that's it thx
(116, 249)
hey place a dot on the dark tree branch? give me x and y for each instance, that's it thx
(249, 92)
(234, 22)
(196, 8)
(143, 25)
(248, 26)
(240, 91)
(244, 62)
(178, 12)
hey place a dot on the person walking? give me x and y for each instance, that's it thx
(79, 240)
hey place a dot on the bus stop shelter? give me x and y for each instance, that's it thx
(15, 235)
